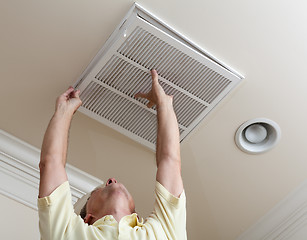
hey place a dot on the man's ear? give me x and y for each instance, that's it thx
(88, 218)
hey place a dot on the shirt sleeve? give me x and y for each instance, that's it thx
(170, 211)
(56, 214)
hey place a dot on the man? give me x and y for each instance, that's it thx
(109, 212)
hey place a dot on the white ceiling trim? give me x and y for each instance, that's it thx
(284, 221)
(19, 172)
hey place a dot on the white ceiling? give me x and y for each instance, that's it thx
(46, 45)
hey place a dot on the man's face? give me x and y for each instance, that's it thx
(113, 196)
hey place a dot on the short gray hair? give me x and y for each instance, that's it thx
(83, 211)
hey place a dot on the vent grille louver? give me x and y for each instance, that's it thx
(101, 101)
(121, 69)
(128, 79)
(175, 66)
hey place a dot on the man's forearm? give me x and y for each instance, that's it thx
(168, 149)
(168, 146)
(54, 146)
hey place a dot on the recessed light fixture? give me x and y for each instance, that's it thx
(257, 135)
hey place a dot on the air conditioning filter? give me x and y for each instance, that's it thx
(142, 42)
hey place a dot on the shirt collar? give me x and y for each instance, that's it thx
(131, 220)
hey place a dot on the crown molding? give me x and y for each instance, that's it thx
(285, 221)
(19, 172)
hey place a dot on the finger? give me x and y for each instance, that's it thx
(68, 91)
(154, 76)
(78, 93)
(150, 104)
(75, 94)
(142, 95)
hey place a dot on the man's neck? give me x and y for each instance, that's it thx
(118, 214)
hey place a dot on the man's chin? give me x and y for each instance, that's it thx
(117, 191)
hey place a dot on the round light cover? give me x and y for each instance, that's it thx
(257, 135)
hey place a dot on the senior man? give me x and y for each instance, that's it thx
(109, 212)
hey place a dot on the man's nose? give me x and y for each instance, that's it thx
(110, 181)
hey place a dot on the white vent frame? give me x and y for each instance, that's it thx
(139, 24)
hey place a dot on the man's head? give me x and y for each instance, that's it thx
(112, 199)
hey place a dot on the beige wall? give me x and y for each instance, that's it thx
(27, 225)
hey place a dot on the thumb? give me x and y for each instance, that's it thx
(150, 104)
(142, 95)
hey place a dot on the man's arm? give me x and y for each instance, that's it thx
(168, 146)
(54, 147)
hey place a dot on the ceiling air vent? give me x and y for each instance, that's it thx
(142, 42)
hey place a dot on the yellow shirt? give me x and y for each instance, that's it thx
(57, 220)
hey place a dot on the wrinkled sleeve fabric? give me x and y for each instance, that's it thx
(169, 215)
(56, 214)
